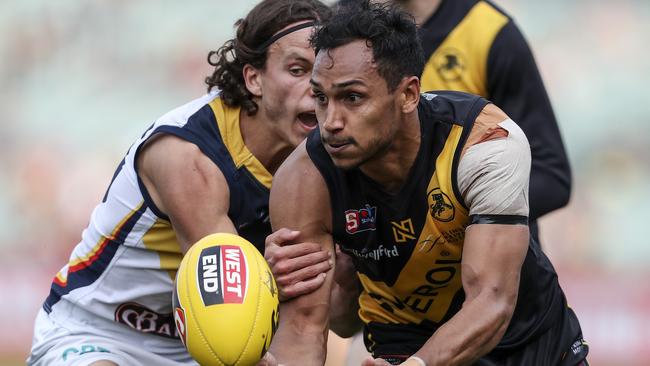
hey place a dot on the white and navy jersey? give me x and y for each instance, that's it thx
(123, 269)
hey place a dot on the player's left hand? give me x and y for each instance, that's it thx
(298, 267)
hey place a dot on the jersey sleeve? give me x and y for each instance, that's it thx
(515, 85)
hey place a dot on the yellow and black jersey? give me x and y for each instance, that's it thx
(475, 47)
(407, 247)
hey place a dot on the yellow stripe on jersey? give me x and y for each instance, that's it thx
(91, 256)
(460, 62)
(161, 238)
(228, 122)
(432, 277)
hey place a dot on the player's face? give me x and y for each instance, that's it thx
(357, 116)
(286, 95)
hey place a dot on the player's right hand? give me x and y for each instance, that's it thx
(298, 267)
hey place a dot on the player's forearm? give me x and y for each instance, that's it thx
(473, 332)
(301, 338)
(289, 350)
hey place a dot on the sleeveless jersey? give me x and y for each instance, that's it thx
(407, 247)
(123, 269)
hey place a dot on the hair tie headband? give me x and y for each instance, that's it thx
(279, 35)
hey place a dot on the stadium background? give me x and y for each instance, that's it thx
(80, 80)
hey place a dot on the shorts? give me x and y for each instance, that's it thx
(55, 345)
(561, 345)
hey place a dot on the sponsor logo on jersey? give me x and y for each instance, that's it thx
(363, 219)
(222, 275)
(578, 346)
(403, 230)
(450, 64)
(429, 243)
(422, 299)
(455, 235)
(377, 253)
(82, 349)
(440, 205)
(145, 320)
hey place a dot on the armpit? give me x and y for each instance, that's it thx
(493, 175)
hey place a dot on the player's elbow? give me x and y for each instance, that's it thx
(503, 301)
(498, 301)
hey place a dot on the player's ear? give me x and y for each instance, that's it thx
(409, 89)
(253, 80)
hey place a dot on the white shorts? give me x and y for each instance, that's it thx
(55, 345)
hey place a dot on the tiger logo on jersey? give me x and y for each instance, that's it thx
(440, 205)
(450, 64)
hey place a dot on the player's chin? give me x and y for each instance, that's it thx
(345, 163)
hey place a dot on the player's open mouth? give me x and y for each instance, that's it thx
(308, 120)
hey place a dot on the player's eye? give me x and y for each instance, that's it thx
(353, 98)
(297, 71)
(320, 98)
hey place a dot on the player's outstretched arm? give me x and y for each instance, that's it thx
(187, 186)
(300, 201)
(492, 259)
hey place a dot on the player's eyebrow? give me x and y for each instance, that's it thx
(340, 85)
(298, 57)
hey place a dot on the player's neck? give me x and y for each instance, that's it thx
(267, 148)
(422, 10)
(390, 168)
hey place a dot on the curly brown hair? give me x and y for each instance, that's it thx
(261, 23)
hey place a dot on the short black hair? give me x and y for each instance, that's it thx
(388, 30)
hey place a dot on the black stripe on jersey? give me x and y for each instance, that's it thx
(498, 219)
(468, 123)
(117, 171)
